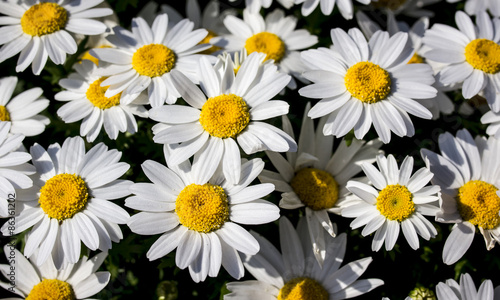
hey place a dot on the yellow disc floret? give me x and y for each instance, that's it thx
(268, 43)
(317, 189)
(44, 18)
(206, 40)
(303, 288)
(86, 55)
(395, 202)
(95, 94)
(479, 204)
(52, 289)
(224, 116)
(367, 82)
(63, 196)
(153, 60)
(484, 55)
(4, 114)
(416, 59)
(202, 208)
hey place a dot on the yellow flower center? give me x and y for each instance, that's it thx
(202, 208)
(484, 55)
(224, 116)
(206, 40)
(95, 94)
(367, 82)
(63, 196)
(317, 189)
(268, 43)
(4, 114)
(153, 60)
(86, 55)
(44, 18)
(479, 204)
(52, 289)
(395, 202)
(303, 288)
(390, 4)
(416, 59)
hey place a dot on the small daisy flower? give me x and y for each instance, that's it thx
(144, 58)
(295, 274)
(75, 281)
(86, 100)
(69, 201)
(399, 200)
(227, 113)
(23, 109)
(197, 214)
(360, 83)
(467, 172)
(346, 7)
(39, 29)
(315, 177)
(452, 290)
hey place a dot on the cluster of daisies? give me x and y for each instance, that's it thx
(219, 86)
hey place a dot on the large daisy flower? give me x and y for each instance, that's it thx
(467, 171)
(23, 109)
(400, 200)
(346, 7)
(452, 290)
(68, 203)
(230, 108)
(197, 214)
(144, 58)
(39, 29)
(295, 274)
(361, 82)
(315, 177)
(75, 281)
(86, 100)
(471, 55)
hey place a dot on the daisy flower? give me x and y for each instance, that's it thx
(39, 29)
(275, 36)
(22, 110)
(346, 7)
(473, 7)
(471, 55)
(226, 113)
(295, 274)
(144, 58)
(86, 100)
(68, 203)
(361, 82)
(493, 119)
(398, 200)
(315, 177)
(197, 214)
(467, 171)
(452, 290)
(255, 5)
(75, 281)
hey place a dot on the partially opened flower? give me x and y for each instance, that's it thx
(452, 290)
(346, 7)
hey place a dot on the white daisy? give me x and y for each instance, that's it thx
(471, 55)
(467, 171)
(316, 177)
(144, 58)
(493, 119)
(473, 7)
(346, 7)
(75, 281)
(361, 82)
(23, 109)
(229, 109)
(295, 274)
(399, 199)
(86, 100)
(39, 29)
(275, 36)
(197, 214)
(255, 5)
(451, 290)
(68, 203)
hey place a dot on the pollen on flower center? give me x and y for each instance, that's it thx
(4, 114)
(224, 116)
(206, 40)
(395, 202)
(202, 208)
(479, 204)
(367, 82)
(484, 55)
(268, 43)
(87, 55)
(52, 289)
(153, 60)
(317, 189)
(63, 196)
(44, 18)
(95, 94)
(303, 288)
(416, 59)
